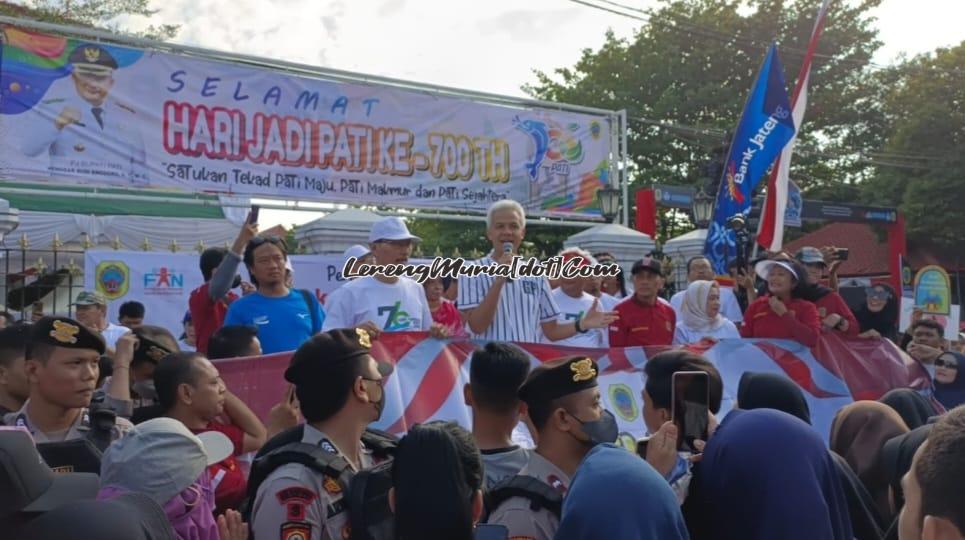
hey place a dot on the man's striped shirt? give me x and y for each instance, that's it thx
(524, 304)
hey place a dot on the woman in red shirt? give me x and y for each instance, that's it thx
(782, 314)
(443, 311)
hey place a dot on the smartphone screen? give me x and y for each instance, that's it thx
(253, 215)
(691, 394)
(491, 532)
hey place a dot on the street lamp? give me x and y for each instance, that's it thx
(702, 209)
(609, 198)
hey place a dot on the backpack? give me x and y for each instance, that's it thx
(82, 455)
(540, 495)
(366, 492)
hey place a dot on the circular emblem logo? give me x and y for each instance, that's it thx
(623, 403)
(627, 441)
(112, 279)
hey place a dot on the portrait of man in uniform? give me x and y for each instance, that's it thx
(88, 132)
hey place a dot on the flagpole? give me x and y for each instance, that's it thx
(769, 210)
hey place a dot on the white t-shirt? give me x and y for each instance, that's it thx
(572, 309)
(730, 308)
(112, 333)
(396, 307)
(608, 301)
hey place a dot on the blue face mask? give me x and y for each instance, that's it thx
(600, 431)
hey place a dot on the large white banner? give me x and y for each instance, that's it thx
(79, 112)
(163, 281)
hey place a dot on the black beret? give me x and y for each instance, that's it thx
(558, 378)
(329, 352)
(67, 333)
(94, 55)
(149, 350)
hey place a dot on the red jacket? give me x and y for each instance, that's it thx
(833, 303)
(801, 322)
(641, 325)
(207, 315)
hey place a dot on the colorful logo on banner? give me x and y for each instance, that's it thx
(621, 399)
(933, 290)
(163, 281)
(113, 279)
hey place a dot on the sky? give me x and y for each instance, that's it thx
(491, 46)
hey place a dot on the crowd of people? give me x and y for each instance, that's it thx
(127, 431)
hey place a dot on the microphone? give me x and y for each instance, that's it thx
(508, 248)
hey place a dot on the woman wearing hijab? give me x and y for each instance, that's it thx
(913, 408)
(772, 391)
(784, 313)
(859, 433)
(700, 316)
(897, 456)
(878, 315)
(949, 382)
(766, 475)
(643, 507)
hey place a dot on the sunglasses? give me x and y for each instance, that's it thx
(875, 294)
(947, 364)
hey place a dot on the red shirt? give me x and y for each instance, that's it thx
(447, 315)
(642, 325)
(832, 303)
(230, 484)
(207, 315)
(800, 323)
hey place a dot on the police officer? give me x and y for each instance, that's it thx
(340, 390)
(87, 133)
(563, 403)
(62, 366)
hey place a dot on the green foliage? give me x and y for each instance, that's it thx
(925, 120)
(92, 13)
(467, 236)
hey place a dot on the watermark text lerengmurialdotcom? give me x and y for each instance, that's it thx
(552, 268)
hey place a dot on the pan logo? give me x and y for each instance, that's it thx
(113, 279)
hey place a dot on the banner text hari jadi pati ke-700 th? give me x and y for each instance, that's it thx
(74, 111)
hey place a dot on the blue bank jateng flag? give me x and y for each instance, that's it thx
(765, 127)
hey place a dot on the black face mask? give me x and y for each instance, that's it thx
(603, 430)
(237, 281)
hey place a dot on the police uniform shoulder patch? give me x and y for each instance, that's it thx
(331, 485)
(327, 445)
(296, 531)
(582, 370)
(296, 493)
(65, 332)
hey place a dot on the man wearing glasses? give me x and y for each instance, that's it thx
(90, 134)
(285, 317)
(379, 303)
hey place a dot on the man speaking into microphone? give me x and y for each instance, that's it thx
(499, 309)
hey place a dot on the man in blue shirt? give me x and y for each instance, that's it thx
(285, 317)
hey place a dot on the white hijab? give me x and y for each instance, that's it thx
(693, 310)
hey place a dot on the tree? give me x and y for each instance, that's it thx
(91, 13)
(925, 116)
(693, 63)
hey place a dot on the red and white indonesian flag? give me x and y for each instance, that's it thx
(770, 234)
(430, 374)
